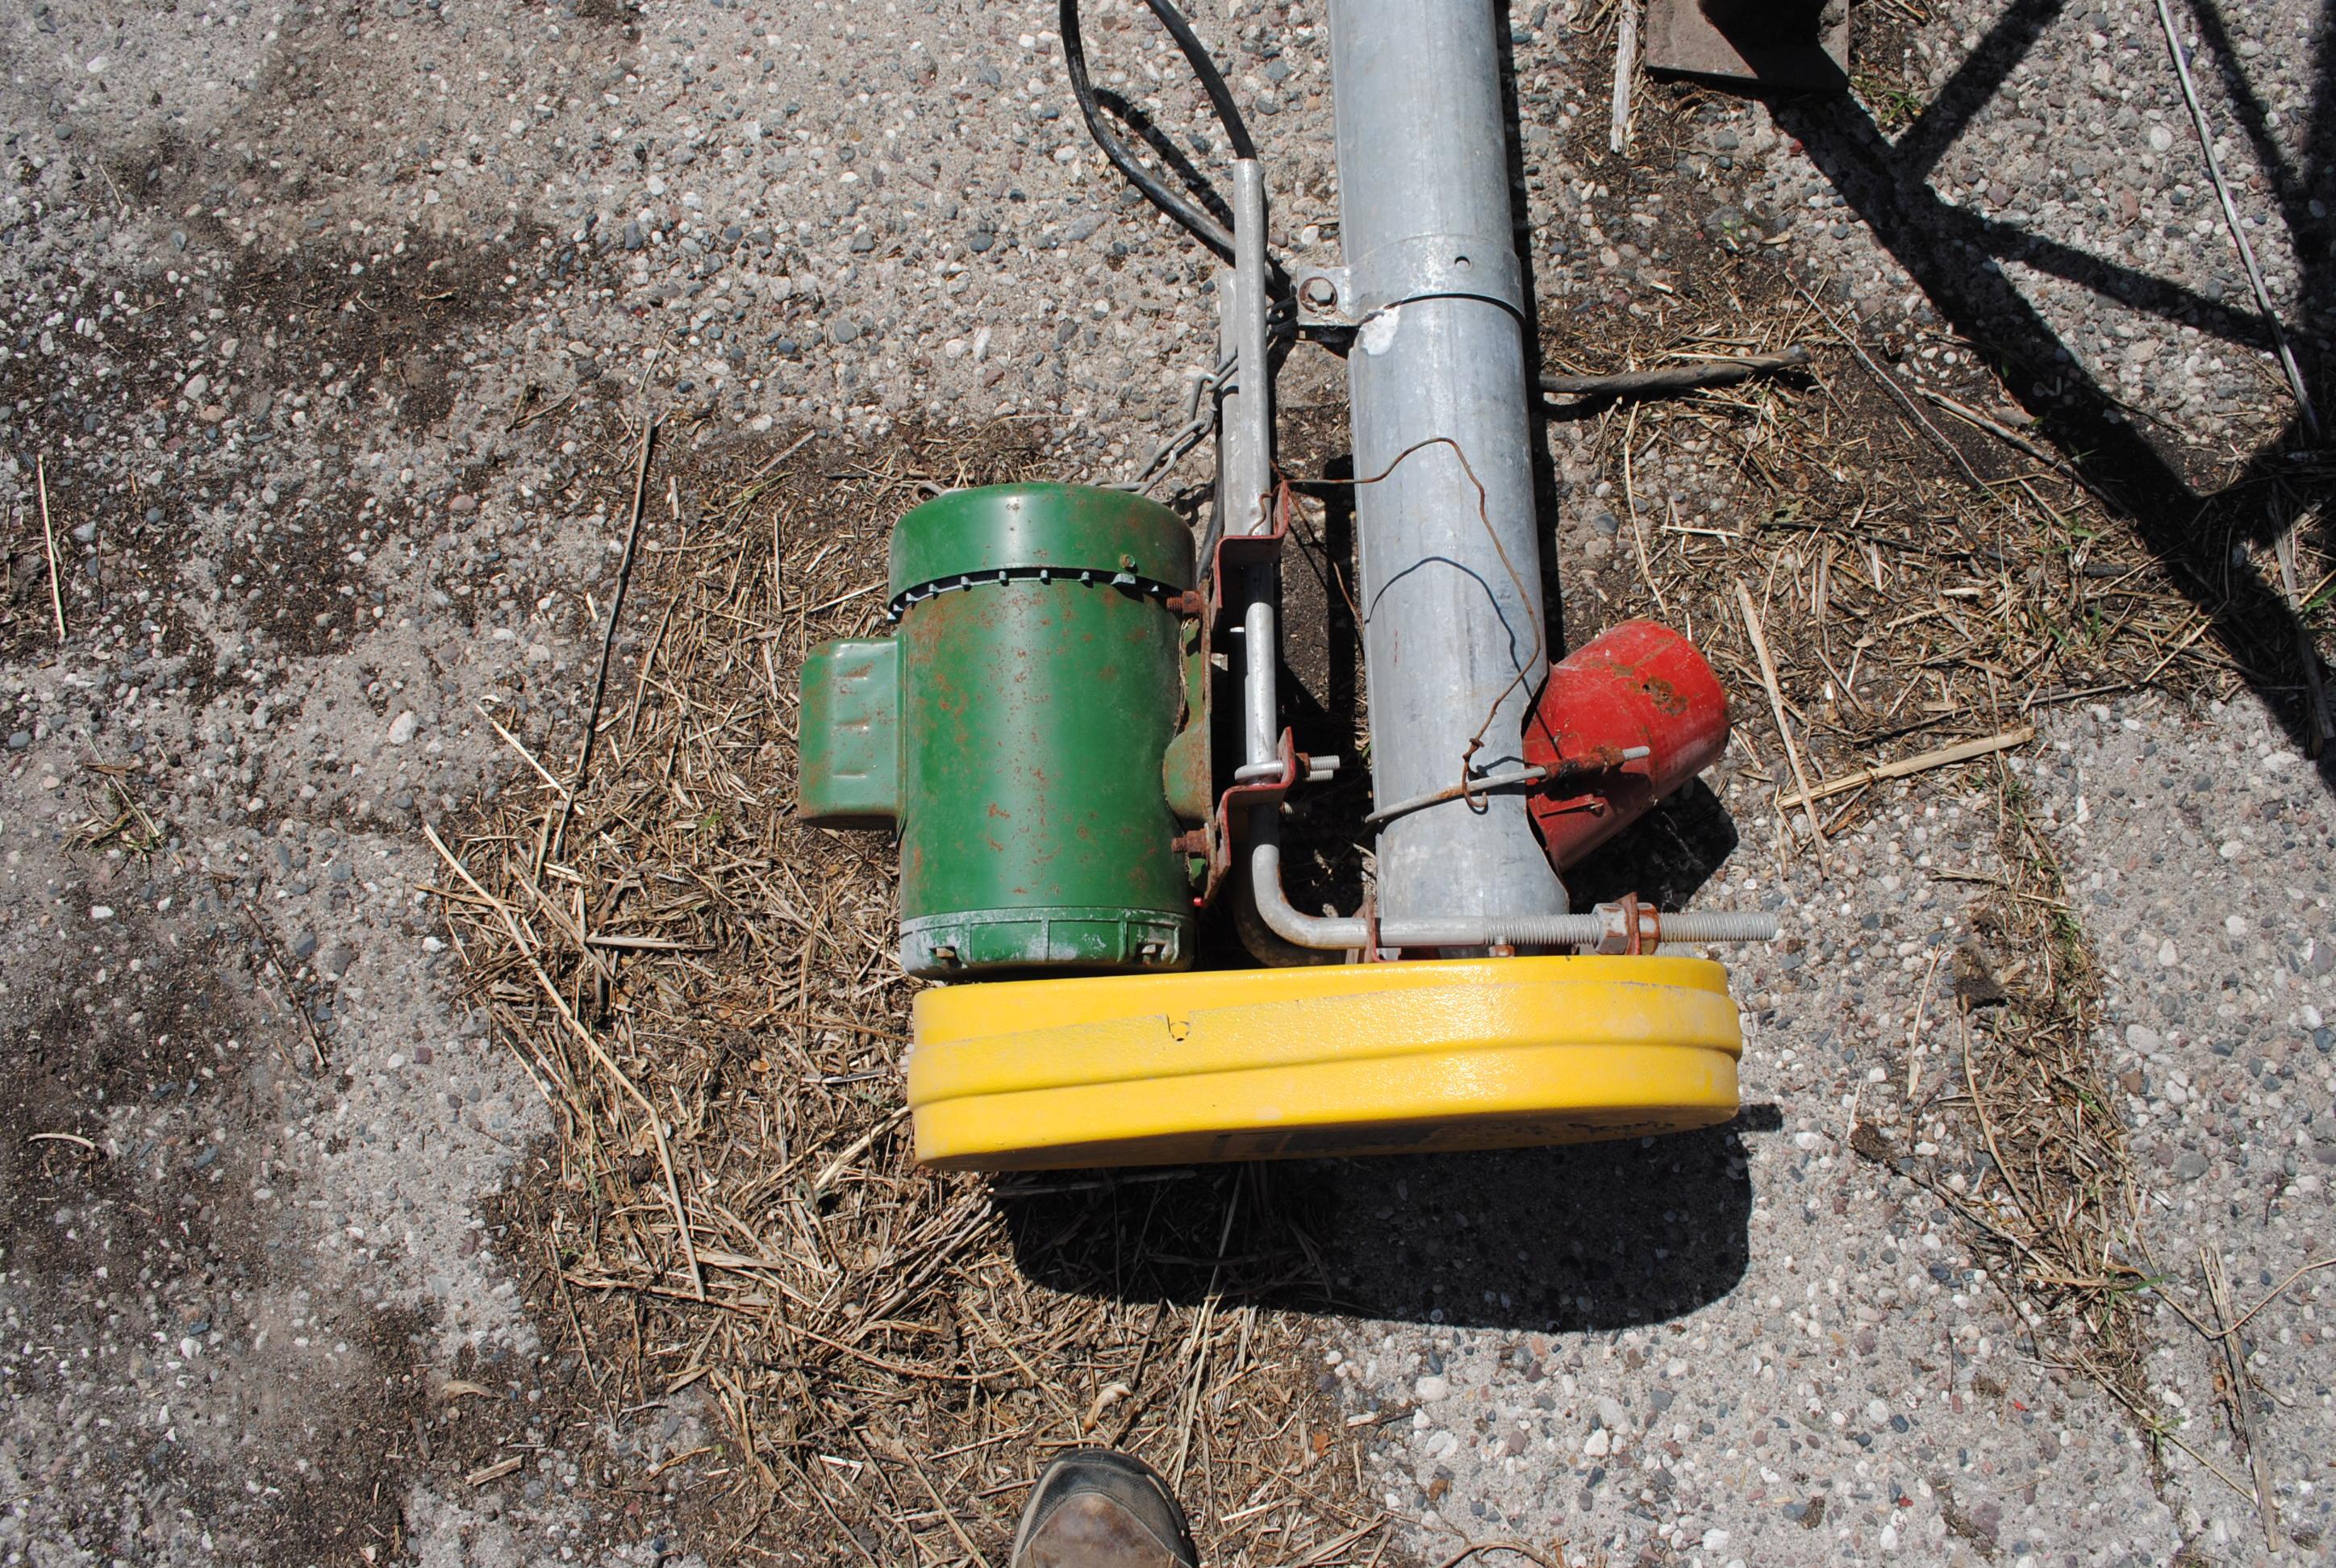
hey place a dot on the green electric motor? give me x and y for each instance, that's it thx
(1027, 731)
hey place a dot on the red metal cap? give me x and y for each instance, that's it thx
(1638, 688)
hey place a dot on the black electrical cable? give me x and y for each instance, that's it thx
(1212, 83)
(1205, 228)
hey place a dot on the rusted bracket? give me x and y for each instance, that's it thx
(1244, 796)
(1239, 551)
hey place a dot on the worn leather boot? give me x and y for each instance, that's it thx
(1096, 1508)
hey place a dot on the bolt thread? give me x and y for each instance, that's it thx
(1719, 926)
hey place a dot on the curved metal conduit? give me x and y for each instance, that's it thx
(1353, 931)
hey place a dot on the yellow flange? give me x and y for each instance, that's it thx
(1350, 1059)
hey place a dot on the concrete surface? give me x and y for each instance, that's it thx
(281, 282)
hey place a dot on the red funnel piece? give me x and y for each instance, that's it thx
(1629, 718)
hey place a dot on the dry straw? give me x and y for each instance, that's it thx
(706, 995)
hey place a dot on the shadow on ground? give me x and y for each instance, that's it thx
(1955, 255)
(1595, 1236)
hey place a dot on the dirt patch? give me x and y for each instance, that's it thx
(611, 10)
(156, 1080)
(145, 1081)
(1322, 662)
(1882, 71)
(320, 345)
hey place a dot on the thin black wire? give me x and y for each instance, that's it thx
(1539, 656)
(1204, 228)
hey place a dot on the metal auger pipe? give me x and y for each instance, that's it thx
(1451, 573)
(1451, 566)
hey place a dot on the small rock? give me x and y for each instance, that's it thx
(402, 727)
(2169, 955)
(1431, 1388)
(2142, 1038)
(2190, 1166)
(463, 505)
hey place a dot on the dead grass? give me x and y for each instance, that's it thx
(707, 997)
(1925, 574)
(707, 994)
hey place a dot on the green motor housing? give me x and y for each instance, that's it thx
(1015, 729)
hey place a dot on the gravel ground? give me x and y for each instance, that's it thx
(2202, 849)
(1767, 1353)
(314, 315)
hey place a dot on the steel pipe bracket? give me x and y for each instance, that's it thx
(1325, 295)
(1437, 267)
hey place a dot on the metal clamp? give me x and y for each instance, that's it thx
(1323, 293)
(1436, 266)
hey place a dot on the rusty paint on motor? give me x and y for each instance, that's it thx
(1041, 679)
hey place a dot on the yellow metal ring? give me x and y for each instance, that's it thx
(1350, 1059)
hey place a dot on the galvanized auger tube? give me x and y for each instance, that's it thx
(1450, 578)
(1451, 582)
(1450, 561)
